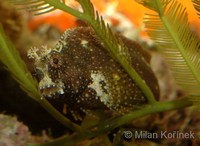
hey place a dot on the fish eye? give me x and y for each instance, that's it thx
(55, 60)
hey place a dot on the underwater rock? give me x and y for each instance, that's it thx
(12, 132)
(79, 73)
(15, 133)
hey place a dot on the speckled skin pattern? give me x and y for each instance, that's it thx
(80, 73)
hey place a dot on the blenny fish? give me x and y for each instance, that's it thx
(79, 73)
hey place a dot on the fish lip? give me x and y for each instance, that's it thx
(51, 90)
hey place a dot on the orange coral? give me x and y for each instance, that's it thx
(57, 19)
(132, 10)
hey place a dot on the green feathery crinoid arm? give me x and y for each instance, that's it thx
(35, 6)
(38, 7)
(196, 4)
(169, 28)
(16, 66)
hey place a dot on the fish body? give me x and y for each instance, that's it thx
(80, 73)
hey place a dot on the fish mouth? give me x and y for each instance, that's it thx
(49, 88)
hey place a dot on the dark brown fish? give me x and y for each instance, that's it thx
(80, 73)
